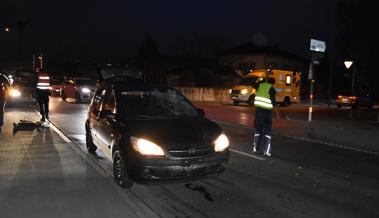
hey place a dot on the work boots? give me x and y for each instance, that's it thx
(267, 145)
(256, 143)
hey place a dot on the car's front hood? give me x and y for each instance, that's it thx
(175, 132)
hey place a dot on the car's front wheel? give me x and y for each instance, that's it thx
(63, 96)
(251, 100)
(120, 173)
(91, 147)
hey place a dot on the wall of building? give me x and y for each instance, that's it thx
(206, 94)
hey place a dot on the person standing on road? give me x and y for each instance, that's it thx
(264, 103)
(43, 93)
(4, 88)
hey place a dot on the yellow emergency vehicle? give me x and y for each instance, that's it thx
(287, 86)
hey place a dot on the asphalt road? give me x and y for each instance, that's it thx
(301, 179)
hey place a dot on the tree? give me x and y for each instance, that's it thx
(149, 62)
(358, 35)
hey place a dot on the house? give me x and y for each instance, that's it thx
(246, 57)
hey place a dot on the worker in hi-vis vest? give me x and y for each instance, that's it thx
(43, 93)
(264, 103)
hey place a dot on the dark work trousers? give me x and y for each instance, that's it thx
(44, 108)
(2, 105)
(263, 127)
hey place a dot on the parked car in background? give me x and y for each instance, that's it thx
(81, 89)
(153, 133)
(55, 87)
(355, 101)
(23, 85)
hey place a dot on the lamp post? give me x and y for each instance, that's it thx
(348, 64)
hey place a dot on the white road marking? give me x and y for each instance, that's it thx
(60, 133)
(247, 155)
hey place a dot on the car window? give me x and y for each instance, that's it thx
(109, 102)
(156, 103)
(85, 82)
(97, 99)
(251, 81)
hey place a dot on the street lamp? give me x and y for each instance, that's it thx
(348, 64)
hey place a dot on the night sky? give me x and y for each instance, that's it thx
(94, 28)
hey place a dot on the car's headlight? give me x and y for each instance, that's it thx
(86, 90)
(14, 93)
(230, 91)
(221, 143)
(146, 147)
(244, 91)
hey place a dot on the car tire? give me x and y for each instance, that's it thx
(356, 105)
(63, 96)
(236, 103)
(286, 102)
(120, 173)
(91, 147)
(251, 100)
(339, 106)
(78, 98)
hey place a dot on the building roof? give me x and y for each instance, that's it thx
(251, 49)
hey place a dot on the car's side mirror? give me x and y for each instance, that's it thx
(107, 114)
(201, 111)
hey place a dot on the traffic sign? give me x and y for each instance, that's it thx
(317, 45)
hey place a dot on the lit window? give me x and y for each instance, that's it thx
(288, 80)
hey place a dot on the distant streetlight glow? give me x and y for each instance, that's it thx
(7, 29)
(348, 64)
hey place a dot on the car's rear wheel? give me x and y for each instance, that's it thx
(91, 147)
(120, 173)
(235, 103)
(78, 98)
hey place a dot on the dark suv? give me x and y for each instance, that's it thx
(153, 133)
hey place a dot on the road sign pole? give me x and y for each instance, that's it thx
(317, 47)
(310, 77)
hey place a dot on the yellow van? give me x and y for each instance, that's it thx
(287, 86)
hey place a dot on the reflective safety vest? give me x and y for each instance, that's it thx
(43, 82)
(262, 97)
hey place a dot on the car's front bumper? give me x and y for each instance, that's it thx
(240, 97)
(86, 96)
(165, 169)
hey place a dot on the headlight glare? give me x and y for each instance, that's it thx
(15, 93)
(244, 91)
(86, 90)
(221, 143)
(146, 147)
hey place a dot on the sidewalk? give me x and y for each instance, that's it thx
(44, 176)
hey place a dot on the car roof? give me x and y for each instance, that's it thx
(123, 84)
(109, 72)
